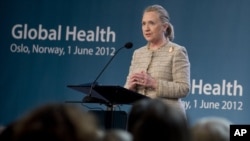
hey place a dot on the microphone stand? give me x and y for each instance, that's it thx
(89, 98)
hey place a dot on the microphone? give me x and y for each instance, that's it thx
(89, 98)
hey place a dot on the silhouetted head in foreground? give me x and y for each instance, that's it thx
(55, 122)
(154, 120)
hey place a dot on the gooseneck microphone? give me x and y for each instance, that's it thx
(127, 45)
(89, 98)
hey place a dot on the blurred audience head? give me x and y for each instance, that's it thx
(136, 112)
(1, 128)
(57, 122)
(117, 135)
(211, 129)
(157, 121)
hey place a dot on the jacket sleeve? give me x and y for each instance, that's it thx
(180, 86)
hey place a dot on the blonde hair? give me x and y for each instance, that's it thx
(164, 17)
(211, 129)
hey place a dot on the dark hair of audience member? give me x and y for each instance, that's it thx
(158, 122)
(56, 122)
(136, 112)
(1, 128)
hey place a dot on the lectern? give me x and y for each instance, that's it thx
(109, 95)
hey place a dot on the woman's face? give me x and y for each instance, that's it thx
(152, 27)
